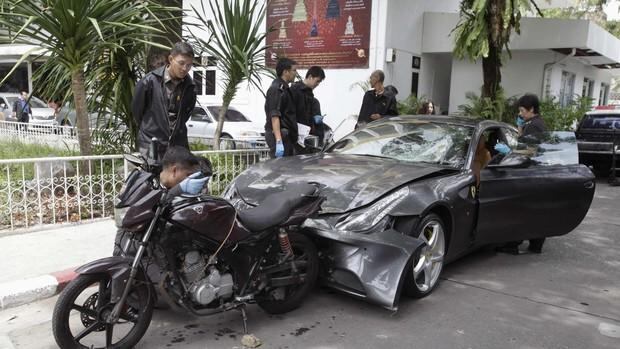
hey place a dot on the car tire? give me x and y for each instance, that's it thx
(227, 143)
(426, 267)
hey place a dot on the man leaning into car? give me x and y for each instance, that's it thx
(533, 131)
(163, 101)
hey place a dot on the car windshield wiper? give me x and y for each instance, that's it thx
(374, 156)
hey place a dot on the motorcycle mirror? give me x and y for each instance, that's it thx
(135, 160)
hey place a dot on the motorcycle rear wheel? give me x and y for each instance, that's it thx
(92, 309)
(294, 295)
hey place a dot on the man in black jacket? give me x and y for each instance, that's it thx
(281, 118)
(163, 101)
(376, 103)
(307, 108)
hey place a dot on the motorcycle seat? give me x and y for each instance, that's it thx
(276, 207)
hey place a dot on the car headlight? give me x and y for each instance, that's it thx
(367, 218)
(119, 215)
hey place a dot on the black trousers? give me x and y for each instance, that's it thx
(289, 145)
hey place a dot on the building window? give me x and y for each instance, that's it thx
(204, 79)
(603, 95)
(567, 88)
(588, 88)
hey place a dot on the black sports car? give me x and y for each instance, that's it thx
(408, 194)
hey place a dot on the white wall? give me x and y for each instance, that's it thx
(435, 77)
(524, 74)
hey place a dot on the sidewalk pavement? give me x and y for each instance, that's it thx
(38, 265)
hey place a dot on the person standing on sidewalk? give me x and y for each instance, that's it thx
(280, 112)
(22, 110)
(533, 130)
(163, 101)
(376, 104)
(307, 110)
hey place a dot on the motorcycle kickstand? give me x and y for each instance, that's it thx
(245, 319)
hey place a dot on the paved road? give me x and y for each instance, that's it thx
(567, 297)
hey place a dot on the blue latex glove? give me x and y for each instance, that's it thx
(318, 119)
(520, 121)
(279, 149)
(193, 183)
(502, 148)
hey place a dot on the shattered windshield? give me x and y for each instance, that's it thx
(415, 141)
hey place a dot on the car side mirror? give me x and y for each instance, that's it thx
(512, 160)
(2, 106)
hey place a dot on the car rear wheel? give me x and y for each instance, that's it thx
(428, 264)
(227, 143)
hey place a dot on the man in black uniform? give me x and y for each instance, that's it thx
(307, 110)
(164, 100)
(376, 103)
(281, 118)
(533, 132)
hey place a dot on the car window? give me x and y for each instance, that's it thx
(552, 148)
(601, 121)
(199, 114)
(231, 114)
(410, 141)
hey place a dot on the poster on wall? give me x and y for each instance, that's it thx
(329, 33)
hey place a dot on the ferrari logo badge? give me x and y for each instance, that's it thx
(472, 189)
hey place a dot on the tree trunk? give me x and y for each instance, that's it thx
(229, 94)
(491, 73)
(81, 111)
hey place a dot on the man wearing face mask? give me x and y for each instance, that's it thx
(531, 130)
(163, 101)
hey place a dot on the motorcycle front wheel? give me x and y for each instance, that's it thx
(284, 299)
(81, 310)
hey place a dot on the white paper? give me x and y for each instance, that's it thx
(303, 131)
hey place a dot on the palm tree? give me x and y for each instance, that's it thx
(79, 38)
(484, 32)
(237, 43)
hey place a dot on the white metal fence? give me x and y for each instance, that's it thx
(59, 136)
(72, 189)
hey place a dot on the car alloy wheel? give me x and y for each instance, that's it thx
(427, 266)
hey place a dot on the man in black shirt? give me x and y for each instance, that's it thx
(307, 108)
(281, 118)
(164, 100)
(376, 103)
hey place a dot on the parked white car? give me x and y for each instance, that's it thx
(238, 131)
(41, 113)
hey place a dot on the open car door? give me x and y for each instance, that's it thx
(537, 190)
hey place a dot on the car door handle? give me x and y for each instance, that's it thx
(190, 125)
(588, 184)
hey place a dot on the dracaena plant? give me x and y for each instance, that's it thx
(91, 48)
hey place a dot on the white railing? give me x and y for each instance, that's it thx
(56, 190)
(33, 133)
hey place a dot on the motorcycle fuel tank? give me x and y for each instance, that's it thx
(209, 217)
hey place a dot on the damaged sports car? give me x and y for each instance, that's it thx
(406, 195)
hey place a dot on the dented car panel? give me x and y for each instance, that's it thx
(378, 197)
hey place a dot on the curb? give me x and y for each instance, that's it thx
(15, 293)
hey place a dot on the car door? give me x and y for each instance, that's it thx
(538, 200)
(198, 123)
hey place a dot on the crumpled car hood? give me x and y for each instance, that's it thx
(348, 181)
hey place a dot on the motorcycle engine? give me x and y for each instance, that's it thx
(205, 286)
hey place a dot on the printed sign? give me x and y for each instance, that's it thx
(328, 33)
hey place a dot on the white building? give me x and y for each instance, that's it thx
(551, 57)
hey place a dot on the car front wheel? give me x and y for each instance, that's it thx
(428, 264)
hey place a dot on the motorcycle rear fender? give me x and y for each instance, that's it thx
(117, 268)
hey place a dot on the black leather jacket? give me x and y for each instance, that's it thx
(150, 111)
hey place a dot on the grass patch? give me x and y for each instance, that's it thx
(19, 150)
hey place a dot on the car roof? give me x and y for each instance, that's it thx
(450, 119)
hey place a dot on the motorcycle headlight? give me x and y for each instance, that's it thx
(119, 215)
(367, 218)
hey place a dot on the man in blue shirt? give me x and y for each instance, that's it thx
(21, 108)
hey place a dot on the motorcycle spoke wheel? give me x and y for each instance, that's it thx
(80, 315)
